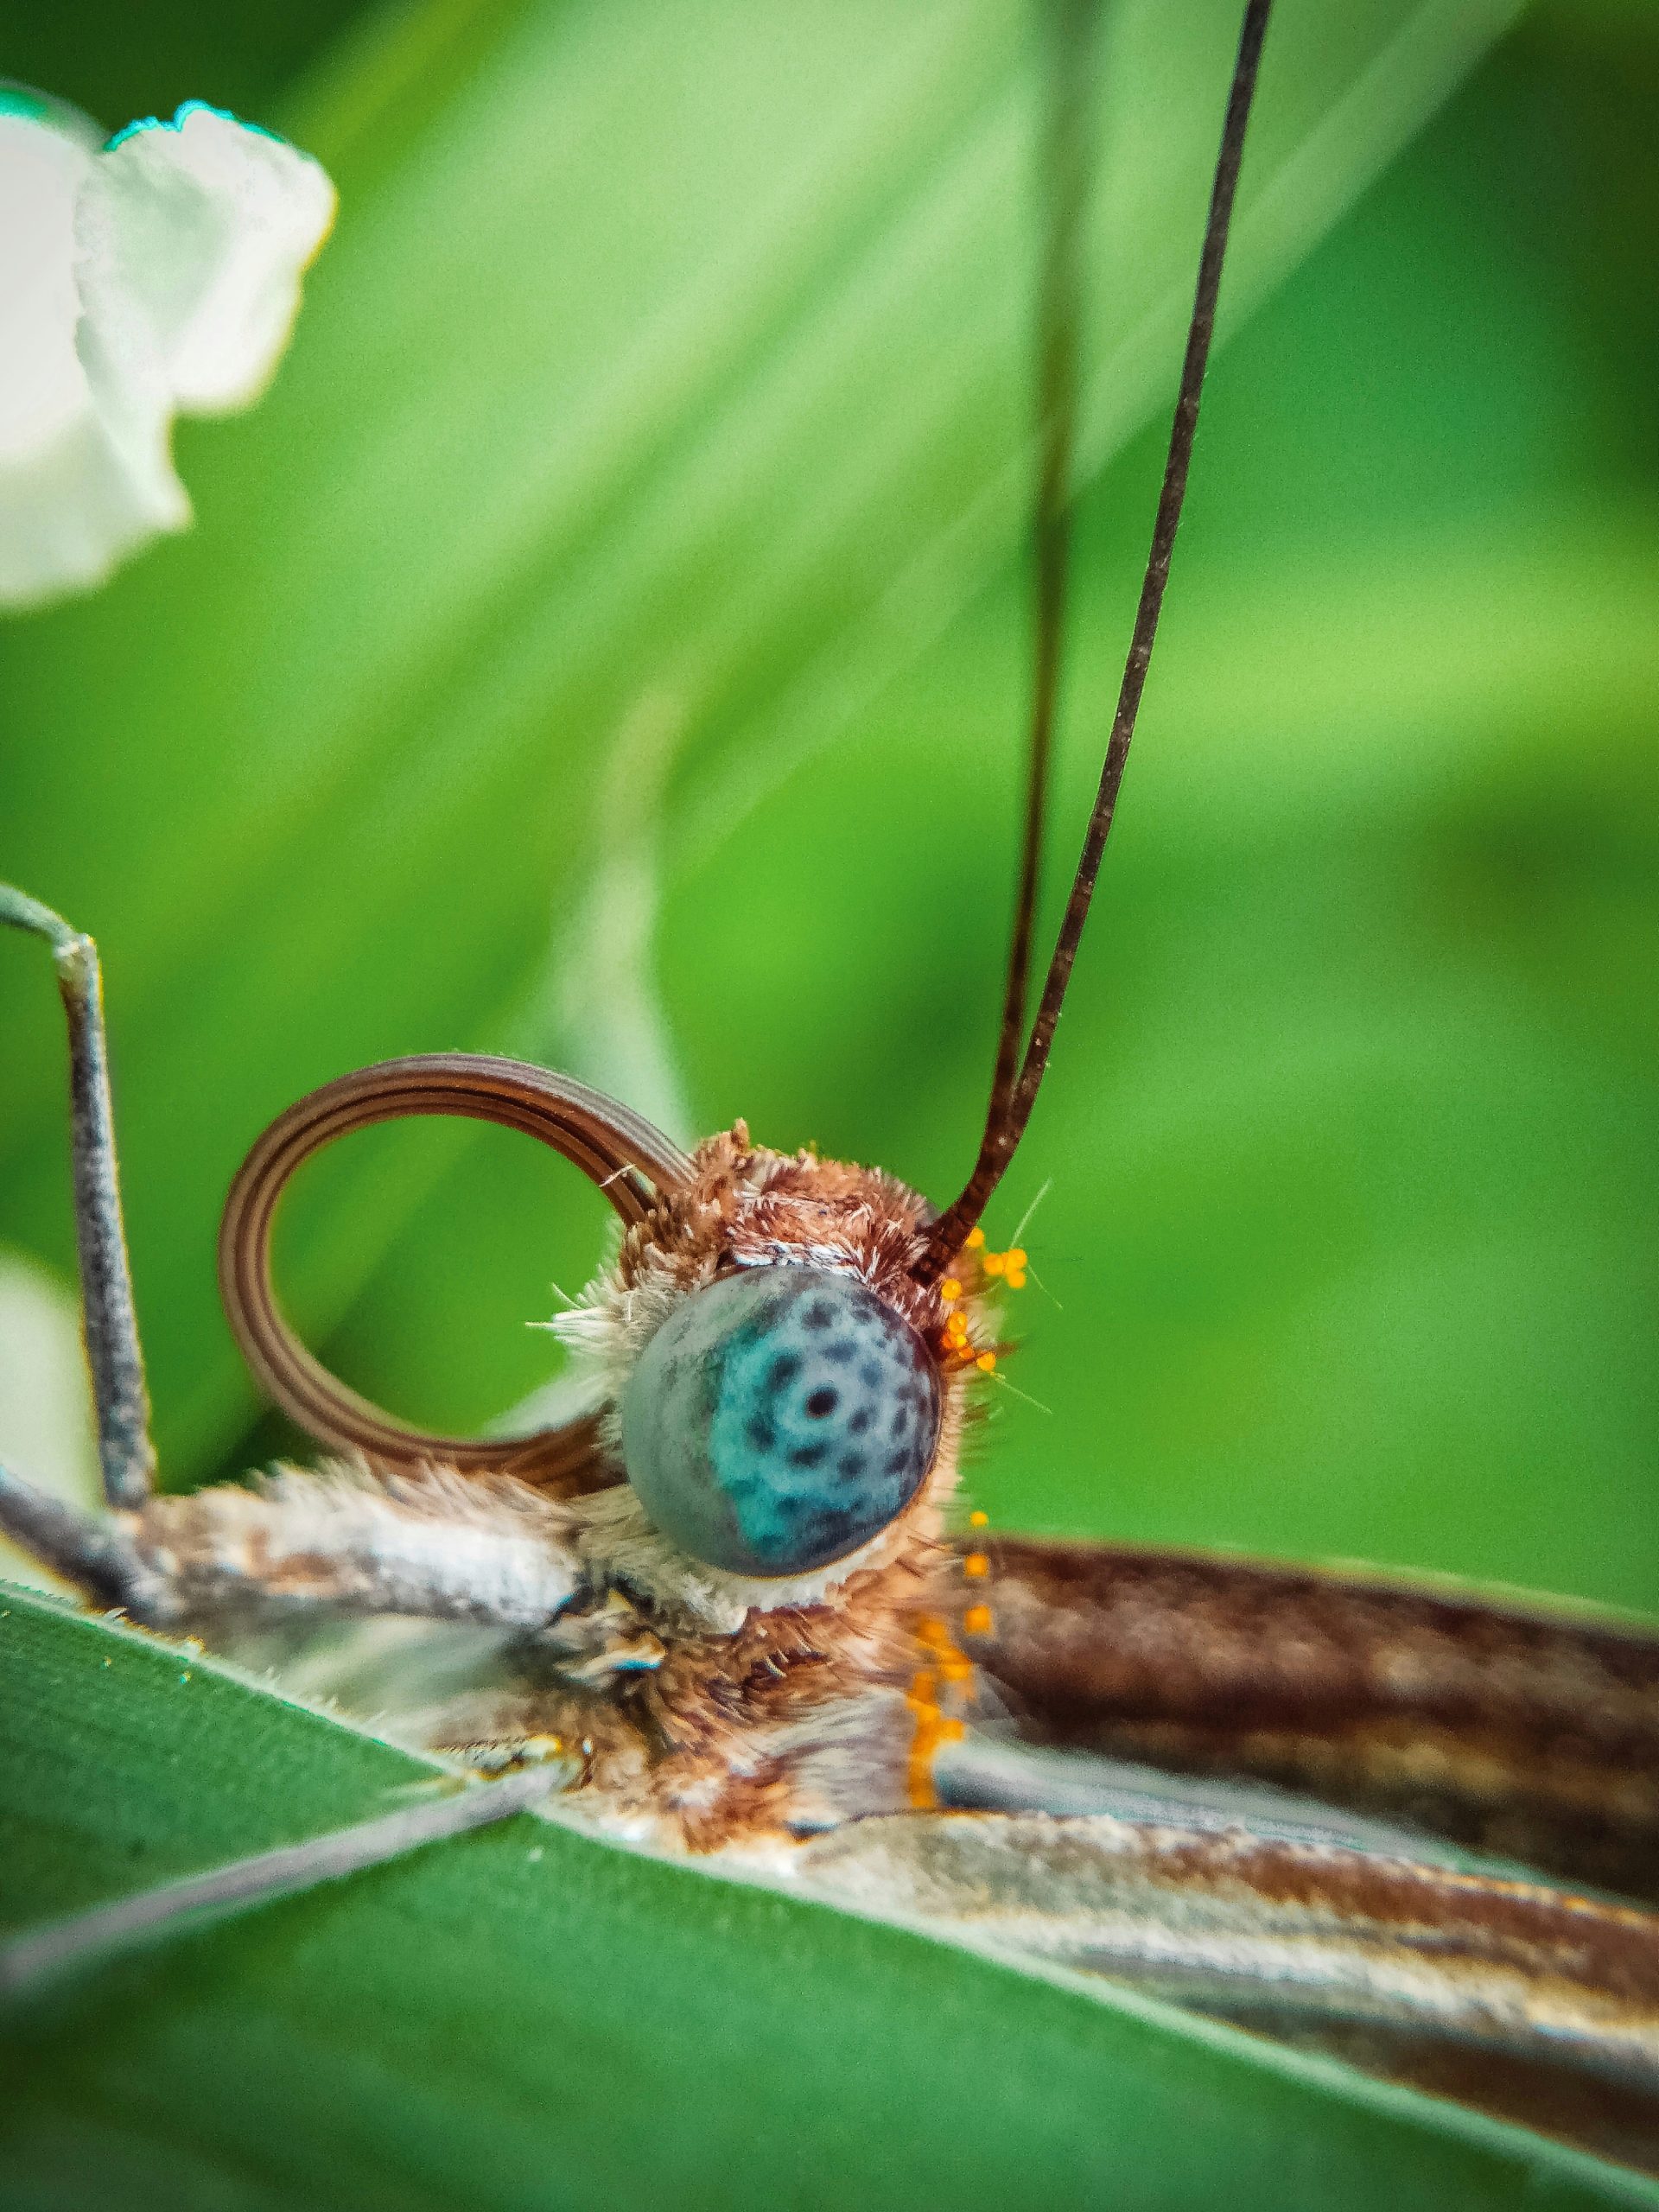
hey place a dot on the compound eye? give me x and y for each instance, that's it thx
(779, 1419)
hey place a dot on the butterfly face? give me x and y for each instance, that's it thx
(780, 1419)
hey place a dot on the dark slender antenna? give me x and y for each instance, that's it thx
(1003, 1132)
(1067, 166)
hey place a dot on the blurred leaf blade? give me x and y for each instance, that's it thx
(1350, 1128)
(646, 364)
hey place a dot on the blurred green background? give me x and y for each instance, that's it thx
(606, 643)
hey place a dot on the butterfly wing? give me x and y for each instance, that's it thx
(1530, 2001)
(1513, 1727)
(1369, 1815)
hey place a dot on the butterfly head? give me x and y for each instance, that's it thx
(779, 1383)
(784, 1392)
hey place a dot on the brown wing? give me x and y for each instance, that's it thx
(1505, 1726)
(1257, 1790)
(1512, 1728)
(1516, 1998)
(1132, 1818)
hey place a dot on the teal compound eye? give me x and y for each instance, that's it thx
(779, 1419)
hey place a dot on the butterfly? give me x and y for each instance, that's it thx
(737, 1624)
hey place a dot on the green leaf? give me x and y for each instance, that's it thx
(527, 2017)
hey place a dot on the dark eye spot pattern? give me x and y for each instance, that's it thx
(748, 1423)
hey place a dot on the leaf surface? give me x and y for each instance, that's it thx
(526, 2016)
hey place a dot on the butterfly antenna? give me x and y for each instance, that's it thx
(1068, 165)
(1011, 1102)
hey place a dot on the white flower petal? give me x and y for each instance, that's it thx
(158, 275)
(46, 153)
(208, 226)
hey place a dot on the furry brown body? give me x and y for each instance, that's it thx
(744, 1206)
(708, 1707)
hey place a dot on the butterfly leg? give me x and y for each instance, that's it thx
(339, 1541)
(109, 1317)
(96, 1553)
(42, 1955)
(434, 1546)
